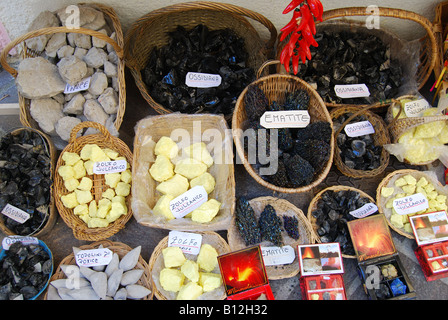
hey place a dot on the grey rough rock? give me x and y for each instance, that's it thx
(109, 47)
(110, 69)
(136, 291)
(110, 125)
(65, 51)
(56, 41)
(47, 113)
(38, 78)
(65, 126)
(113, 57)
(80, 53)
(113, 282)
(90, 18)
(109, 101)
(96, 42)
(121, 294)
(94, 112)
(75, 105)
(72, 69)
(60, 97)
(98, 83)
(129, 261)
(82, 40)
(95, 57)
(43, 20)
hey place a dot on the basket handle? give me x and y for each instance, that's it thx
(264, 65)
(89, 124)
(51, 30)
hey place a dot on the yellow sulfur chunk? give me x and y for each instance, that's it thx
(422, 182)
(189, 291)
(191, 270)
(85, 218)
(400, 182)
(190, 168)
(83, 196)
(432, 195)
(111, 179)
(206, 180)
(126, 176)
(123, 189)
(209, 281)
(407, 227)
(386, 192)
(97, 154)
(86, 151)
(97, 223)
(93, 209)
(420, 190)
(86, 184)
(66, 172)
(79, 169)
(71, 184)
(441, 198)
(443, 135)
(173, 257)
(429, 130)
(112, 154)
(88, 165)
(117, 210)
(206, 212)
(396, 220)
(104, 206)
(199, 152)
(207, 258)
(162, 207)
(162, 169)
(171, 279)
(69, 200)
(175, 186)
(429, 187)
(70, 158)
(400, 195)
(409, 189)
(108, 194)
(81, 209)
(410, 179)
(167, 147)
(120, 199)
(389, 203)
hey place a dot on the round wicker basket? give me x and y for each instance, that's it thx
(104, 140)
(156, 265)
(116, 247)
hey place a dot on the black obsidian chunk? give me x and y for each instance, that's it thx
(270, 226)
(246, 222)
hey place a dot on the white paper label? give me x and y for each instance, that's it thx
(84, 84)
(15, 214)
(93, 257)
(411, 204)
(188, 242)
(202, 80)
(347, 91)
(357, 129)
(364, 211)
(415, 108)
(113, 166)
(8, 241)
(188, 201)
(285, 119)
(273, 256)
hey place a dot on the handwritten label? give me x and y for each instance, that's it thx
(202, 80)
(188, 201)
(365, 210)
(93, 257)
(411, 204)
(273, 256)
(188, 242)
(285, 119)
(347, 91)
(357, 129)
(15, 214)
(8, 241)
(103, 167)
(80, 86)
(415, 108)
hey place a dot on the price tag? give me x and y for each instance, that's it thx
(202, 80)
(357, 129)
(188, 201)
(411, 204)
(188, 242)
(415, 108)
(365, 210)
(15, 214)
(285, 119)
(80, 86)
(93, 257)
(8, 241)
(114, 166)
(273, 256)
(347, 91)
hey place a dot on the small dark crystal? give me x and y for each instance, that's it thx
(246, 222)
(270, 226)
(291, 225)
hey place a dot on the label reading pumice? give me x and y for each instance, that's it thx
(188, 201)
(202, 80)
(15, 213)
(93, 257)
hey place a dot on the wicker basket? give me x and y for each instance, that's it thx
(191, 129)
(104, 140)
(282, 208)
(440, 32)
(317, 198)
(389, 181)
(116, 247)
(156, 265)
(380, 138)
(151, 31)
(112, 20)
(275, 88)
(52, 208)
(429, 50)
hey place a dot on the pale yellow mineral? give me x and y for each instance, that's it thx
(206, 180)
(189, 291)
(167, 147)
(175, 186)
(93, 209)
(123, 189)
(97, 223)
(410, 179)
(190, 168)
(206, 212)
(70, 158)
(71, 184)
(112, 179)
(386, 192)
(171, 279)
(104, 206)
(209, 281)
(69, 200)
(207, 258)
(199, 152)
(162, 169)
(173, 257)
(81, 209)
(89, 166)
(79, 169)
(162, 207)
(83, 196)
(108, 194)
(85, 184)
(191, 270)
(66, 172)
(126, 176)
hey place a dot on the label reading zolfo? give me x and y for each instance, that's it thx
(114, 166)
(188, 201)
(273, 256)
(202, 80)
(188, 242)
(364, 211)
(80, 86)
(93, 257)
(15, 214)
(357, 129)
(8, 241)
(415, 108)
(411, 204)
(285, 119)
(347, 91)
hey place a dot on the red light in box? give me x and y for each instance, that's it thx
(308, 253)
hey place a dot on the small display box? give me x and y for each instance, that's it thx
(244, 275)
(321, 270)
(380, 269)
(431, 234)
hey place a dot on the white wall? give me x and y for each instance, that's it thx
(16, 15)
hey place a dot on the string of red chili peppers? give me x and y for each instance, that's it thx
(302, 30)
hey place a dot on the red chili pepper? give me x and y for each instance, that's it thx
(293, 22)
(306, 48)
(284, 56)
(306, 13)
(316, 8)
(292, 6)
(295, 63)
(292, 42)
(308, 36)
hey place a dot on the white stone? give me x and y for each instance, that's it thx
(109, 100)
(47, 113)
(80, 53)
(65, 126)
(82, 40)
(96, 42)
(56, 41)
(94, 112)
(65, 51)
(98, 83)
(72, 69)
(44, 20)
(90, 18)
(110, 69)
(75, 105)
(95, 57)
